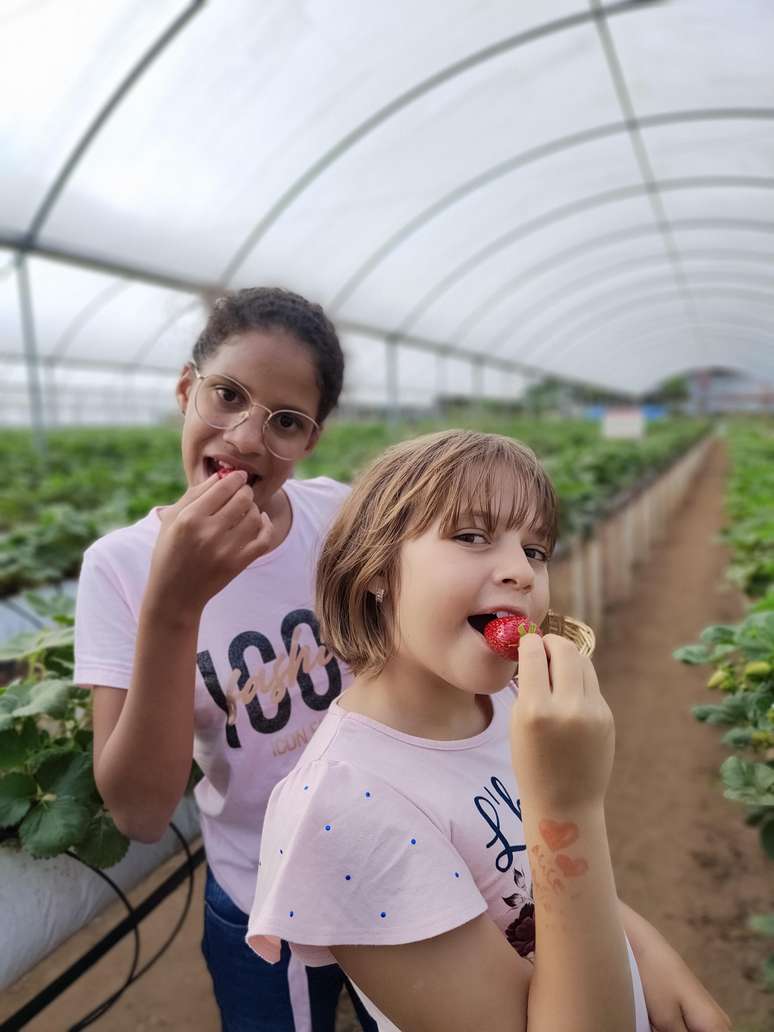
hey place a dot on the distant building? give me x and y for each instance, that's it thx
(726, 390)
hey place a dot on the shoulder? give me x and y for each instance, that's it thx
(342, 810)
(348, 858)
(321, 496)
(322, 489)
(123, 546)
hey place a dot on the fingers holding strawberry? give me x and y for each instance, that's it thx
(209, 536)
(562, 732)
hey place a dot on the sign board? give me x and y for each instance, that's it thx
(624, 424)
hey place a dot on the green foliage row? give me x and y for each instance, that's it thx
(90, 481)
(742, 655)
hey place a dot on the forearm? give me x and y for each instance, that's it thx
(582, 980)
(640, 933)
(145, 764)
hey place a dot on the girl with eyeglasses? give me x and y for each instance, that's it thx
(195, 628)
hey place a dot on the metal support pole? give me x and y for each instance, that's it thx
(477, 381)
(31, 354)
(477, 370)
(440, 381)
(393, 390)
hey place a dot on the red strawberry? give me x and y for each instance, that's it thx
(504, 633)
(223, 471)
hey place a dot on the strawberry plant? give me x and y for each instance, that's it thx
(48, 799)
(743, 654)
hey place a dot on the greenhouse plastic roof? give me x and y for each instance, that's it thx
(552, 187)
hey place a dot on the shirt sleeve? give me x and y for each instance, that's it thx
(348, 860)
(105, 626)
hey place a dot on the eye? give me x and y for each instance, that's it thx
(538, 554)
(228, 395)
(471, 537)
(287, 422)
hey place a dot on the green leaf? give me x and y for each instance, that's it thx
(735, 773)
(762, 923)
(17, 792)
(751, 783)
(718, 634)
(738, 737)
(56, 606)
(29, 643)
(68, 774)
(103, 844)
(50, 696)
(767, 841)
(15, 695)
(768, 973)
(13, 749)
(720, 652)
(694, 655)
(53, 826)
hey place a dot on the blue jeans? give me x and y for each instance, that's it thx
(254, 996)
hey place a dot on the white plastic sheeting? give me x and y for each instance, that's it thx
(582, 189)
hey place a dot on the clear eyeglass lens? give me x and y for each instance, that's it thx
(224, 404)
(221, 403)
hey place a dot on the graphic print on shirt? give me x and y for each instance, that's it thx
(498, 810)
(296, 664)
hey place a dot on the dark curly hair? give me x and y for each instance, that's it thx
(267, 308)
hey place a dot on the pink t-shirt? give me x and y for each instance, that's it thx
(380, 838)
(263, 682)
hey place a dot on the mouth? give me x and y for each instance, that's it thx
(478, 621)
(223, 467)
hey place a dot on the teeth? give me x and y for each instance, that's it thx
(504, 612)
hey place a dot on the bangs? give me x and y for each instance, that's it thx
(500, 485)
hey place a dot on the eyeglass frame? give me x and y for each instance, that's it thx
(248, 412)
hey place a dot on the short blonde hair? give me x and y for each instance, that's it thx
(439, 476)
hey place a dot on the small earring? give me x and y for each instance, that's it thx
(379, 596)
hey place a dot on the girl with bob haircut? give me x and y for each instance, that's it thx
(443, 835)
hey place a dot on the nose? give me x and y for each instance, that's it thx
(515, 568)
(247, 436)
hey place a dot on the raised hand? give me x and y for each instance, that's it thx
(562, 732)
(207, 537)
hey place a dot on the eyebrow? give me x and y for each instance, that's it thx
(483, 517)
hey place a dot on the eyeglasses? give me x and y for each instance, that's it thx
(225, 404)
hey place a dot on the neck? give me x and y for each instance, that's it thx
(416, 703)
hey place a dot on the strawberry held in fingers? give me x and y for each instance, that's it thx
(503, 634)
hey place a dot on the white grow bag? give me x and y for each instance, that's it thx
(44, 902)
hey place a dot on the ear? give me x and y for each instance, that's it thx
(184, 386)
(376, 584)
(312, 443)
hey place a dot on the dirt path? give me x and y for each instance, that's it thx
(682, 854)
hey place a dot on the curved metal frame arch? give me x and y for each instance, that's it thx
(558, 258)
(529, 157)
(758, 364)
(624, 295)
(149, 344)
(386, 112)
(559, 348)
(756, 331)
(100, 300)
(568, 210)
(762, 364)
(525, 315)
(45, 206)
